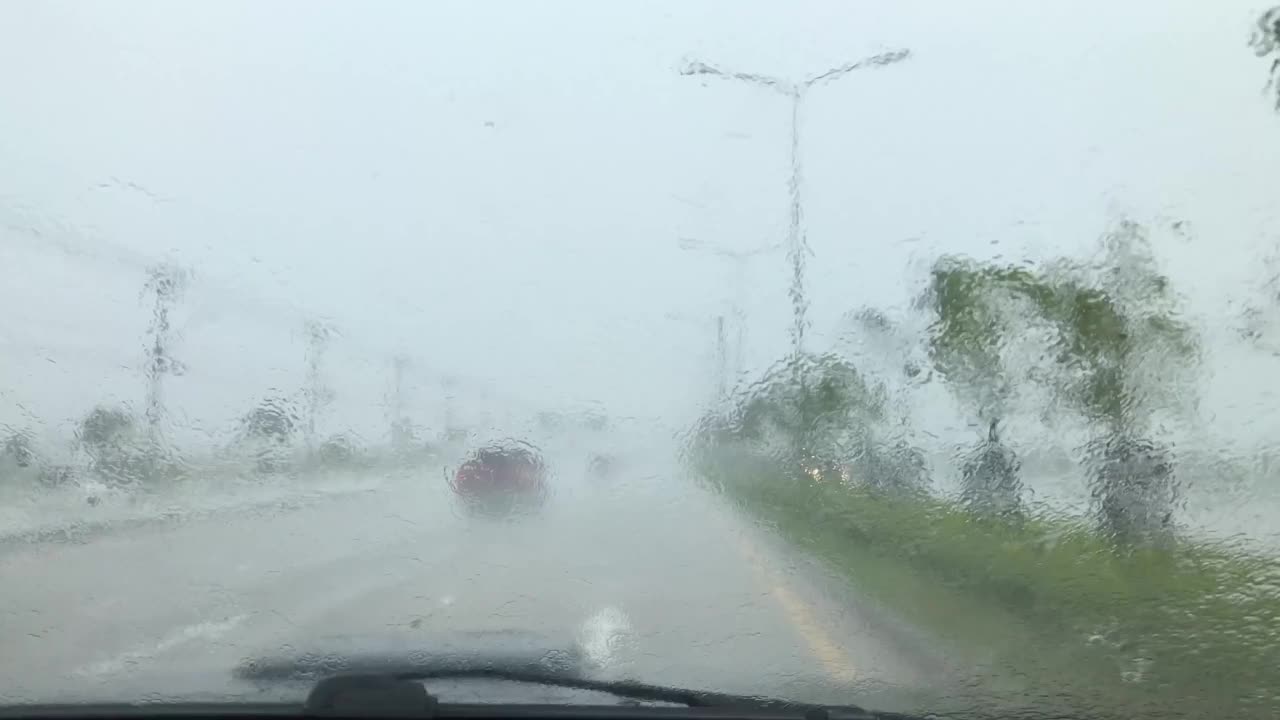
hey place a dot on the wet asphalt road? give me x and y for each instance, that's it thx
(651, 578)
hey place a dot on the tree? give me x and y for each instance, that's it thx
(17, 448)
(105, 427)
(167, 284)
(269, 429)
(705, 445)
(882, 346)
(812, 417)
(274, 420)
(1121, 354)
(1122, 332)
(1127, 356)
(813, 412)
(318, 394)
(338, 451)
(110, 436)
(973, 307)
(890, 466)
(990, 478)
(1266, 42)
(401, 431)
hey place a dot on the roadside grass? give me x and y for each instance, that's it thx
(1045, 610)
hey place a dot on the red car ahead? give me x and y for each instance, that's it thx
(501, 480)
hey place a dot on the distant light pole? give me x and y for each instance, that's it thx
(398, 365)
(797, 248)
(401, 428)
(449, 384)
(167, 283)
(722, 359)
(318, 336)
(739, 258)
(721, 380)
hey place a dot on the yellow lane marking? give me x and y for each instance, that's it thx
(835, 662)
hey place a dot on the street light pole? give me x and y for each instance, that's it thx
(318, 334)
(797, 247)
(739, 258)
(720, 380)
(400, 428)
(167, 283)
(722, 358)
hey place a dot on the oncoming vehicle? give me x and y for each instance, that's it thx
(501, 479)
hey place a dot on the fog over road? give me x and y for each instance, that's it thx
(652, 578)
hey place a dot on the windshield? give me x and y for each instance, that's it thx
(916, 356)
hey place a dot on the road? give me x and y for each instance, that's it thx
(655, 579)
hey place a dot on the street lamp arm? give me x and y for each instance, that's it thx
(874, 61)
(696, 67)
(757, 251)
(688, 243)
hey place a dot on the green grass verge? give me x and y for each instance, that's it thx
(1045, 610)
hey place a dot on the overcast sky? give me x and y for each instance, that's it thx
(497, 189)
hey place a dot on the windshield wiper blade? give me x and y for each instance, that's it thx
(403, 695)
(400, 693)
(627, 689)
(563, 670)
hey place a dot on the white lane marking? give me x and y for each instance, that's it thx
(603, 634)
(207, 631)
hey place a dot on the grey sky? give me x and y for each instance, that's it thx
(498, 188)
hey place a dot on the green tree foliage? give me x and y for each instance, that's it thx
(974, 310)
(890, 466)
(269, 430)
(1112, 324)
(1122, 341)
(813, 408)
(118, 453)
(274, 420)
(1120, 355)
(17, 449)
(813, 417)
(338, 451)
(1130, 357)
(105, 427)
